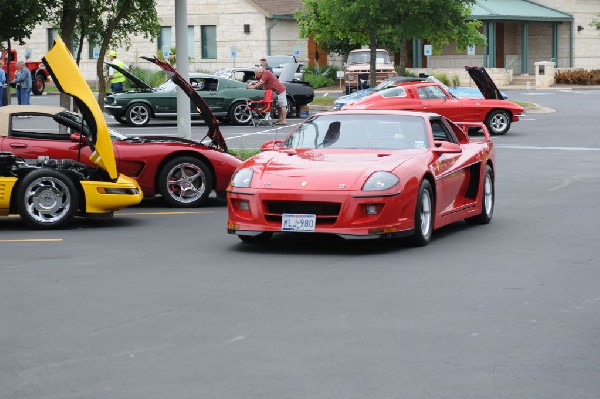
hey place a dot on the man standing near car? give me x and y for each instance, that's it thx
(115, 78)
(265, 64)
(23, 83)
(270, 82)
(2, 82)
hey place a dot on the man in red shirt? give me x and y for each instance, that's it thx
(270, 82)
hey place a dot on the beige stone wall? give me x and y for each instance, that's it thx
(586, 43)
(229, 17)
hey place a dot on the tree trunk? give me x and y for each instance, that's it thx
(8, 58)
(373, 60)
(67, 27)
(110, 28)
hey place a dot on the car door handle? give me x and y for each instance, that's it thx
(18, 145)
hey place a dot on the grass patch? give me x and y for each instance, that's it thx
(323, 101)
(244, 153)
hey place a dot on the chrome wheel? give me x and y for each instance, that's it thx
(239, 114)
(426, 213)
(185, 182)
(138, 115)
(498, 122)
(47, 199)
(487, 199)
(488, 194)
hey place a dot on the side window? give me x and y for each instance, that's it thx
(431, 93)
(29, 127)
(394, 92)
(211, 84)
(441, 132)
(197, 83)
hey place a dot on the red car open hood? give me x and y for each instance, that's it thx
(214, 134)
(323, 169)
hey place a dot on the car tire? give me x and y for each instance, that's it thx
(424, 215)
(138, 114)
(47, 199)
(488, 196)
(184, 182)
(498, 122)
(291, 106)
(239, 114)
(39, 85)
(262, 237)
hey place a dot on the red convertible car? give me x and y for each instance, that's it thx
(182, 171)
(433, 97)
(365, 174)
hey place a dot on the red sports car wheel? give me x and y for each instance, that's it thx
(487, 199)
(185, 182)
(424, 214)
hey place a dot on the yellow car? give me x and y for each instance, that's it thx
(49, 193)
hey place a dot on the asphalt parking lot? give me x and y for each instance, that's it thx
(161, 302)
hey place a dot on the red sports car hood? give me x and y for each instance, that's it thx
(322, 169)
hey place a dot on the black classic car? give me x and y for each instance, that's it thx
(299, 93)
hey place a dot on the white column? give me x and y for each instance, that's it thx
(184, 121)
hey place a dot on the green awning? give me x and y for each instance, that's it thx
(516, 10)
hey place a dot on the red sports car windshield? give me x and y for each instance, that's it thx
(389, 132)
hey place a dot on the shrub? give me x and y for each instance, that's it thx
(151, 76)
(442, 77)
(578, 77)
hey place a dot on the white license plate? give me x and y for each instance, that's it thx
(298, 222)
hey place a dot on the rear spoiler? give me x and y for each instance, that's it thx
(465, 126)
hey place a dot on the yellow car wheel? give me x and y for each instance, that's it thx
(47, 199)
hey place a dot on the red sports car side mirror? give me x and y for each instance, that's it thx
(445, 147)
(271, 145)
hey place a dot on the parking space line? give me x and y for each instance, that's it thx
(165, 213)
(33, 240)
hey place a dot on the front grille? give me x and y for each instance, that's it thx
(326, 212)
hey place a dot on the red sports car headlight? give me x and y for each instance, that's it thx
(380, 181)
(242, 178)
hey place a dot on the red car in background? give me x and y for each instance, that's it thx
(496, 114)
(365, 174)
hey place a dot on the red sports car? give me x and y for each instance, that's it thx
(365, 174)
(433, 97)
(182, 171)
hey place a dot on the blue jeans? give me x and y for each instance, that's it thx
(1, 95)
(24, 96)
(116, 87)
(19, 95)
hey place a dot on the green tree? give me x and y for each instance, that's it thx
(389, 23)
(17, 20)
(107, 23)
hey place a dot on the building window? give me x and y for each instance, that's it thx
(52, 34)
(209, 41)
(94, 51)
(165, 39)
(190, 39)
